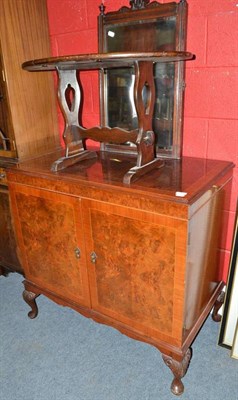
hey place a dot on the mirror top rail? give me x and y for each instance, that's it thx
(96, 61)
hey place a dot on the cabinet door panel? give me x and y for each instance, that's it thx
(134, 274)
(50, 237)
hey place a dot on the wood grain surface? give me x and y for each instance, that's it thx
(24, 35)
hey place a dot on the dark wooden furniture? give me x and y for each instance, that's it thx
(142, 258)
(145, 26)
(28, 117)
(142, 137)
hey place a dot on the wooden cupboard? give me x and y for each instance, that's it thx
(28, 116)
(8, 243)
(142, 258)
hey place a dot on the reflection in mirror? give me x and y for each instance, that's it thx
(157, 35)
(146, 97)
(121, 110)
(164, 104)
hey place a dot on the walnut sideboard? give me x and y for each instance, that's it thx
(141, 258)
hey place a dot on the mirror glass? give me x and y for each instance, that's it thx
(152, 35)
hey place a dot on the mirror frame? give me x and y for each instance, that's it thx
(143, 10)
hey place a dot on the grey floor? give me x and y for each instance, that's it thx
(63, 356)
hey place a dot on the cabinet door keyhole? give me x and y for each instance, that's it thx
(93, 257)
(77, 252)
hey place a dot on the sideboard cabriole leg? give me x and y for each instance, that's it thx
(179, 369)
(219, 302)
(29, 298)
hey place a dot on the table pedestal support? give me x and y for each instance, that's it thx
(74, 136)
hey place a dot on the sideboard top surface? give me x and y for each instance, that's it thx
(182, 181)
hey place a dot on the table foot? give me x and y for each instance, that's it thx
(179, 369)
(65, 162)
(29, 298)
(136, 172)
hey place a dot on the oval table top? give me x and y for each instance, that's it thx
(103, 60)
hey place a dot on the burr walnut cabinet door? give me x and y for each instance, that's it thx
(137, 268)
(50, 237)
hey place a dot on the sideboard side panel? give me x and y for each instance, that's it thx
(203, 255)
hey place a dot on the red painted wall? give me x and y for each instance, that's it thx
(211, 98)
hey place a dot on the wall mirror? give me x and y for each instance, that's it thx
(145, 26)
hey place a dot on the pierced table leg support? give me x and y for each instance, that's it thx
(29, 298)
(144, 98)
(69, 95)
(179, 370)
(219, 302)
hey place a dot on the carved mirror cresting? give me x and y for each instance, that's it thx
(144, 26)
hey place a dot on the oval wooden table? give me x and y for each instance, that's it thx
(69, 93)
